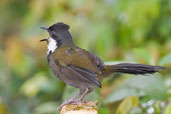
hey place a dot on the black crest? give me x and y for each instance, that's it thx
(59, 27)
(60, 33)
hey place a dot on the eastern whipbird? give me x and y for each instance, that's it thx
(80, 68)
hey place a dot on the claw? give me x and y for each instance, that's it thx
(72, 102)
(64, 103)
(79, 101)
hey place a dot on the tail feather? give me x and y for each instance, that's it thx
(131, 68)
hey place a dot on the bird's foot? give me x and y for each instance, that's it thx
(71, 101)
(78, 101)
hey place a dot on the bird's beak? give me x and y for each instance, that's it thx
(44, 28)
(43, 40)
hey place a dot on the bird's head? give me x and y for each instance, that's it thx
(59, 35)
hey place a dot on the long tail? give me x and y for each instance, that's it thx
(131, 68)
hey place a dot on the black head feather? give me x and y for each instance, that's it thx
(59, 27)
(60, 33)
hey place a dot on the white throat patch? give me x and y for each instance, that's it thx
(52, 45)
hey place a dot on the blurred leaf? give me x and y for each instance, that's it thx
(32, 86)
(123, 92)
(166, 60)
(148, 85)
(136, 110)
(139, 86)
(142, 55)
(3, 108)
(103, 111)
(104, 31)
(69, 92)
(24, 67)
(168, 109)
(157, 107)
(46, 108)
(128, 103)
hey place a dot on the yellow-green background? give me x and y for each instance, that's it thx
(116, 30)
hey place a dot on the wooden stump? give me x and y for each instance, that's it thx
(82, 108)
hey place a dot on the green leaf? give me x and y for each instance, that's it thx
(139, 86)
(127, 104)
(168, 109)
(166, 60)
(32, 86)
(46, 108)
(143, 55)
(69, 92)
(104, 111)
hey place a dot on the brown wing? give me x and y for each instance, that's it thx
(84, 64)
(81, 74)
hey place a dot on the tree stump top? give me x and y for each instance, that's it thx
(82, 108)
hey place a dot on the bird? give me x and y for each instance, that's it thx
(80, 68)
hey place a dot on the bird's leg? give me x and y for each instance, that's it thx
(72, 99)
(90, 89)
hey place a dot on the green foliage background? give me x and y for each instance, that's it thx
(116, 30)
